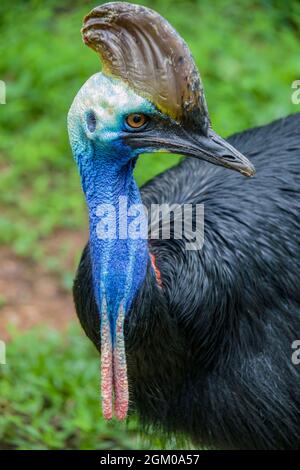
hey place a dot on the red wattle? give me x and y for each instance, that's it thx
(120, 370)
(114, 382)
(106, 366)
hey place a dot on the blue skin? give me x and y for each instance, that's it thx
(96, 124)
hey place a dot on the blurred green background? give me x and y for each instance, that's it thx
(248, 54)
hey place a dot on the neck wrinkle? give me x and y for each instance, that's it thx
(119, 264)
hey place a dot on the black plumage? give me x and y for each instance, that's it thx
(210, 354)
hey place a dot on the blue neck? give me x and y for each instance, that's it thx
(119, 262)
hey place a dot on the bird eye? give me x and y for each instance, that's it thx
(136, 120)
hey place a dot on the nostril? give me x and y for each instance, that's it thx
(91, 121)
(228, 157)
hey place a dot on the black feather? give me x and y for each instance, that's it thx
(209, 354)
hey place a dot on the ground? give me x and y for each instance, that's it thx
(35, 295)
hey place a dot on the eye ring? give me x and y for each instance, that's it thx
(136, 121)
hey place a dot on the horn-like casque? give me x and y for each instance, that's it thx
(139, 46)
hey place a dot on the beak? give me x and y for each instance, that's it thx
(210, 147)
(214, 149)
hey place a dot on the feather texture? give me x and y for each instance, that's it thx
(209, 352)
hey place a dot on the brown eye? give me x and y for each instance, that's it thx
(136, 120)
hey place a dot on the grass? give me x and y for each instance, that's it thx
(248, 54)
(49, 396)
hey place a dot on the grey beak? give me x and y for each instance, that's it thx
(210, 147)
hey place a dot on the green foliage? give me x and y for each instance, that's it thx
(247, 52)
(49, 399)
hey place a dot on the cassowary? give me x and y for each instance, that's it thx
(197, 341)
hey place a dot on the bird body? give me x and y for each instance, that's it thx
(198, 341)
(209, 354)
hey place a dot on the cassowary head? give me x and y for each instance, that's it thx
(148, 98)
